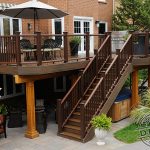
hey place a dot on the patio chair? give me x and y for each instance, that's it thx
(27, 48)
(48, 49)
(3, 127)
(57, 46)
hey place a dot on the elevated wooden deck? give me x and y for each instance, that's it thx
(38, 59)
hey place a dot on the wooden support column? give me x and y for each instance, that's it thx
(135, 95)
(149, 76)
(30, 100)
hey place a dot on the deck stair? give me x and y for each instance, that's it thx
(94, 91)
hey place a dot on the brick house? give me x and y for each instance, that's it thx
(81, 18)
(93, 16)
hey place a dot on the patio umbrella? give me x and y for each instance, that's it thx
(34, 10)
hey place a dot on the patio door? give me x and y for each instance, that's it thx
(81, 26)
(9, 26)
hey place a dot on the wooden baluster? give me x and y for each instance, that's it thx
(146, 47)
(81, 84)
(103, 87)
(83, 125)
(87, 45)
(39, 53)
(65, 47)
(18, 51)
(118, 62)
(59, 115)
(96, 54)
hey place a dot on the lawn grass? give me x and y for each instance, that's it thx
(129, 134)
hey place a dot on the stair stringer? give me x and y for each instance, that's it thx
(111, 99)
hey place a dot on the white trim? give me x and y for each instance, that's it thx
(90, 19)
(10, 25)
(62, 24)
(106, 25)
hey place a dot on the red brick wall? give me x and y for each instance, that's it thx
(98, 11)
(105, 12)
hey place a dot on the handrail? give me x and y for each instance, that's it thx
(75, 94)
(104, 87)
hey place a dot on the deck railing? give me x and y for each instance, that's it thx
(75, 94)
(104, 87)
(57, 50)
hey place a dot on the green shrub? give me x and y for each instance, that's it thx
(75, 40)
(145, 99)
(101, 122)
(139, 113)
(3, 109)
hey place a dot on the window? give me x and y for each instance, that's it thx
(77, 27)
(9, 25)
(60, 84)
(9, 88)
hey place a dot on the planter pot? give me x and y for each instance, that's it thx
(100, 135)
(74, 49)
(41, 122)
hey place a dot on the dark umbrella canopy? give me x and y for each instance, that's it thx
(34, 10)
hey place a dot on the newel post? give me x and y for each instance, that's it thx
(18, 50)
(83, 125)
(65, 47)
(59, 115)
(109, 34)
(39, 53)
(87, 45)
(118, 62)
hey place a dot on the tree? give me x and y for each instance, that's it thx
(132, 15)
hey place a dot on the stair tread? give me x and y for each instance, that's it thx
(72, 127)
(76, 113)
(74, 120)
(71, 135)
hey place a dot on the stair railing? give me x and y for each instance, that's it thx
(105, 86)
(67, 105)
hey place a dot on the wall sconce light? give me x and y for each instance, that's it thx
(97, 22)
(29, 26)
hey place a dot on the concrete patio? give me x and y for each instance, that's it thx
(50, 141)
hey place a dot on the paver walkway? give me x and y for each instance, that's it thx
(50, 141)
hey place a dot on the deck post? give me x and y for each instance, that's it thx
(135, 96)
(39, 53)
(65, 47)
(87, 45)
(18, 51)
(109, 33)
(31, 131)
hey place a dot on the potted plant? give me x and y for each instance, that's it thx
(3, 112)
(102, 125)
(74, 44)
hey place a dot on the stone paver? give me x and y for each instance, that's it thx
(50, 141)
